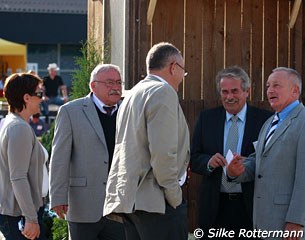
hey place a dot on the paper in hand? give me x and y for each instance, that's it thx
(229, 158)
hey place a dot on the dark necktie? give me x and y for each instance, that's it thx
(273, 126)
(108, 110)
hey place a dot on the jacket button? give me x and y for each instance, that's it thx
(105, 162)
(259, 176)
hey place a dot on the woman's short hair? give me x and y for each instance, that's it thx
(16, 86)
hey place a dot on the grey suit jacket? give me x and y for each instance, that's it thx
(79, 161)
(279, 172)
(151, 151)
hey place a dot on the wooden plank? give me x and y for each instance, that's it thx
(246, 36)
(170, 15)
(256, 50)
(270, 39)
(295, 12)
(233, 33)
(218, 47)
(193, 46)
(144, 39)
(283, 34)
(151, 11)
(298, 51)
(208, 53)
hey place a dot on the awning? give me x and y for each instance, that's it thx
(12, 55)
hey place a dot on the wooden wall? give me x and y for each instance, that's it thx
(213, 34)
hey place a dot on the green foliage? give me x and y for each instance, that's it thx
(47, 137)
(92, 55)
(60, 229)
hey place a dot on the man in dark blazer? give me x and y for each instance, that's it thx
(220, 207)
(82, 151)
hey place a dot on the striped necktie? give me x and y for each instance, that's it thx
(273, 126)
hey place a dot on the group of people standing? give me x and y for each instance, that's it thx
(116, 168)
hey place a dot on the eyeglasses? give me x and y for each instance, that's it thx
(111, 83)
(185, 72)
(37, 94)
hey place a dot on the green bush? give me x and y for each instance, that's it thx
(60, 229)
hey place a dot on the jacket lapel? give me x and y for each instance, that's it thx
(92, 115)
(282, 128)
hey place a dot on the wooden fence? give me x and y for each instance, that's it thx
(214, 34)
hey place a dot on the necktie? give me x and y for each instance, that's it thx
(273, 126)
(108, 110)
(232, 142)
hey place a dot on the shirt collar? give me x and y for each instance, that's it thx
(284, 113)
(241, 115)
(160, 78)
(100, 104)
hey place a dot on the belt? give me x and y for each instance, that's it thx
(231, 196)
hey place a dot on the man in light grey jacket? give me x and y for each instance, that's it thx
(278, 166)
(81, 157)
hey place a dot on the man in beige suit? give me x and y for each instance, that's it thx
(151, 153)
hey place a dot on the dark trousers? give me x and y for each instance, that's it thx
(105, 229)
(232, 215)
(172, 225)
(10, 230)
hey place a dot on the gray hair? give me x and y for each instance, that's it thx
(234, 72)
(295, 76)
(160, 55)
(104, 68)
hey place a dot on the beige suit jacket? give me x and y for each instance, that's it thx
(151, 151)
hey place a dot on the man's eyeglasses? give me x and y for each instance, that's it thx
(37, 94)
(111, 83)
(185, 72)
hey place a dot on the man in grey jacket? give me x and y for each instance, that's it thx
(278, 166)
(81, 157)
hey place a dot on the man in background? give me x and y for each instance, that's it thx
(52, 85)
(233, 126)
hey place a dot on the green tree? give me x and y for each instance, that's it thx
(92, 55)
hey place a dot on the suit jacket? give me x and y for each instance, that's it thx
(279, 172)
(151, 151)
(208, 140)
(79, 161)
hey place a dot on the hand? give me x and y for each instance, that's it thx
(236, 166)
(61, 210)
(31, 230)
(217, 160)
(293, 227)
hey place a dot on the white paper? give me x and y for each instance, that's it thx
(182, 179)
(229, 158)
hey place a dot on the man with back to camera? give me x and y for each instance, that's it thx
(151, 153)
(221, 204)
(81, 157)
(278, 166)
